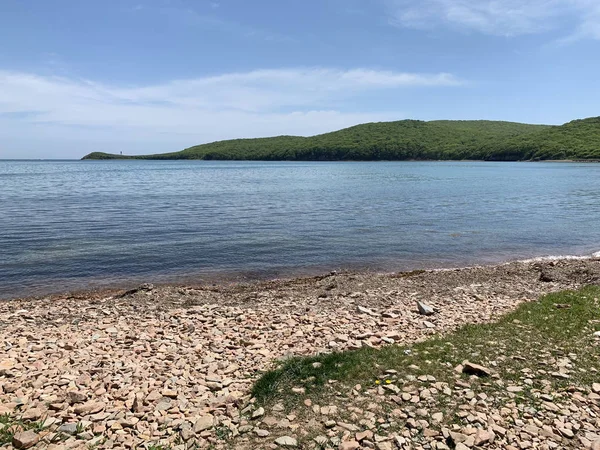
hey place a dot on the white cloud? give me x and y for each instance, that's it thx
(186, 112)
(501, 17)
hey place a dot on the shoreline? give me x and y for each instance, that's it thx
(142, 158)
(244, 278)
(142, 360)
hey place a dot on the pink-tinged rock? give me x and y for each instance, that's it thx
(367, 434)
(349, 445)
(25, 439)
(484, 437)
(76, 397)
(204, 423)
(6, 365)
(90, 407)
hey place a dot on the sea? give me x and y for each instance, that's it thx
(78, 225)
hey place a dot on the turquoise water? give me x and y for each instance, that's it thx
(67, 225)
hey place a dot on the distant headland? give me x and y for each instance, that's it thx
(409, 140)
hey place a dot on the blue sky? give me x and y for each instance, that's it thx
(161, 75)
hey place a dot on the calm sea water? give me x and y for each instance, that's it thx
(73, 225)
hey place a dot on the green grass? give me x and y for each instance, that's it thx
(408, 140)
(11, 424)
(526, 344)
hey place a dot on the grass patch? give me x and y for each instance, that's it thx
(11, 425)
(547, 343)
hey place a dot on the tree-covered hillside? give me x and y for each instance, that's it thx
(579, 139)
(410, 139)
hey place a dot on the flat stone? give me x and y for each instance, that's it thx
(475, 369)
(385, 445)
(204, 423)
(68, 428)
(32, 414)
(76, 397)
(457, 437)
(90, 407)
(367, 434)
(349, 445)
(286, 441)
(25, 439)
(153, 396)
(348, 426)
(169, 393)
(429, 432)
(129, 422)
(566, 433)
(6, 365)
(367, 311)
(329, 410)
(484, 437)
(321, 440)
(164, 404)
(258, 413)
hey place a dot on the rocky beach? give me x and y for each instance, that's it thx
(162, 367)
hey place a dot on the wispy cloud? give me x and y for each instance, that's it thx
(500, 17)
(208, 19)
(256, 103)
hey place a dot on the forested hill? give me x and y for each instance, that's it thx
(410, 139)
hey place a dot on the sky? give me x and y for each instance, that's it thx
(151, 76)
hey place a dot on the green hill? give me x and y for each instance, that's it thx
(409, 139)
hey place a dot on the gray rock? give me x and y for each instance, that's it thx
(68, 428)
(424, 309)
(76, 397)
(286, 441)
(363, 310)
(321, 440)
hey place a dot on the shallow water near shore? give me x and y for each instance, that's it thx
(69, 225)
